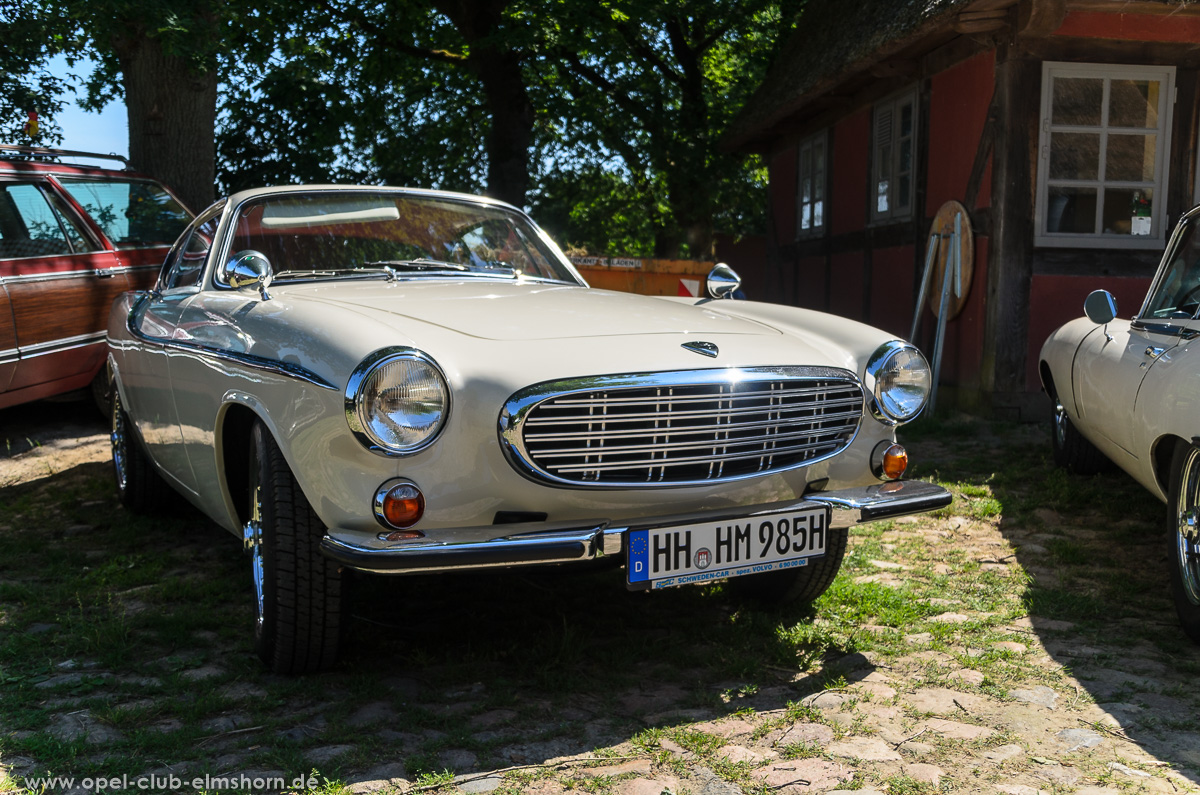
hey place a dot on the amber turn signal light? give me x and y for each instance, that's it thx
(399, 505)
(889, 460)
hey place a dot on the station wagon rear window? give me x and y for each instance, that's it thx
(132, 213)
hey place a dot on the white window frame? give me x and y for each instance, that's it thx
(820, 182)
(885, 132)
(1158, 215)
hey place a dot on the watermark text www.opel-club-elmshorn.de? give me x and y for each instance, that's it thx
(169, 782)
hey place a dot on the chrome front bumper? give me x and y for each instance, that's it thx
(601, 538)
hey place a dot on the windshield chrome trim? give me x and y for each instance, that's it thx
(262, 363)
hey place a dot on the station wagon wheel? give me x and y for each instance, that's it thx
(1072, 452)
(298, 591)
(1183, 537)
(802, 584)
(139, 486)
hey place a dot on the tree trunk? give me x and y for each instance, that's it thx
(497, 65)
(512, 123)
(172, 119)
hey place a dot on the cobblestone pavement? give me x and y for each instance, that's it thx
(437, 693)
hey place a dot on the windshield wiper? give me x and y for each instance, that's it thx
(422, 264)
(333, 272)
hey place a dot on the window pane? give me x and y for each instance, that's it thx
(1071, 210)
(806, 216)
(904, 189)
(1077, 100)
(132, 214)
(79, 239)
(1074, 156)
(819, 156)
(881, 198)
(819, 214)
(906, 120)
(1133, 103)
(905, 153)
(1127, 211)
(806, 190)
(28, 227)
(1130, 158)
(806, 167)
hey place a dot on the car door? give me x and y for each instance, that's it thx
(60, 281)
(8, 339)
(1112, 363)
(157, 320)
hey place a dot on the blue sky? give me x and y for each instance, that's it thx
(105, 132)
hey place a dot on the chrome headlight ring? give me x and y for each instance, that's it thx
(899, 381)
(397, 401)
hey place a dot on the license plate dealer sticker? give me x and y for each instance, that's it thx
(662, 557)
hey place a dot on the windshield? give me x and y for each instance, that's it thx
(132, 213)
(1176, 293)
(356, 234)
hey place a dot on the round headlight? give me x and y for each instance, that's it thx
(899, 379)
(397, 401)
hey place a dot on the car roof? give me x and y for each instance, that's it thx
(241, 196)
(33, 160)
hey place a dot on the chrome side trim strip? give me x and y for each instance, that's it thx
(59, 345)
(9, 355)
(53, 276)
(286, 369)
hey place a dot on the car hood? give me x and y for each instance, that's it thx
(506, 311)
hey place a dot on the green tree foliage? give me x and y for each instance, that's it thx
(656, 83)
(30, 32)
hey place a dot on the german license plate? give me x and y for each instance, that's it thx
(661, 557)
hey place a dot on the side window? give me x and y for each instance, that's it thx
(894, 146)
(31, 227)
(810, 186)
(1176, 295)
(185, 263)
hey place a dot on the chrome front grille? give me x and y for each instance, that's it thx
(680, 428)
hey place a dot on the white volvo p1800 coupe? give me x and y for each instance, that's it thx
(1127, 391)
(407, 381)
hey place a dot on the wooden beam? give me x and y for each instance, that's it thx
(1037, 18)
(1009, 268)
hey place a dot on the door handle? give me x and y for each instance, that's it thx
(103, 273)
(1154, 352)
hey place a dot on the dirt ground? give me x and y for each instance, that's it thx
(964, 700)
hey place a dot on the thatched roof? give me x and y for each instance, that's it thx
(835, 38)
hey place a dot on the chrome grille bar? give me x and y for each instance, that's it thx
(680, 428)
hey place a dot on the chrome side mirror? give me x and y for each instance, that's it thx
(723, 281)
(1101, 307)
(248, 268)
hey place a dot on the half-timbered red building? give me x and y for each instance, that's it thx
(1067, 129)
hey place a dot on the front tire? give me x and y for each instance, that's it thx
(1183, 537)
(139, 486)
(803, 584)
(1071, 451)
(299, 592)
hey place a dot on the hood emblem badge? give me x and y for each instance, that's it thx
(702, 348)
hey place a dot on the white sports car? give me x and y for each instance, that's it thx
(406, 381)
(1127, 391)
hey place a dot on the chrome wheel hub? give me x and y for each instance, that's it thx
(252, 540)
(1187, 535)
(1060, 423)
(118, 439)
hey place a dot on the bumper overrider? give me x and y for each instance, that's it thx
(544, 543)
